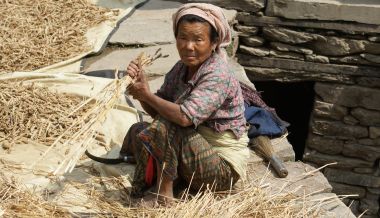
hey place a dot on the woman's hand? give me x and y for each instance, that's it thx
(140, 88)
(133, 69)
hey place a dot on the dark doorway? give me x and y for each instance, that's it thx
(293, 102)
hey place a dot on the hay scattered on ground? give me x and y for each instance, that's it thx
(34, 34)
(33, 113)
(16, 201)
(255, 200)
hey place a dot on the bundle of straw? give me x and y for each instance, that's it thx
(76, 144)
(34, 34)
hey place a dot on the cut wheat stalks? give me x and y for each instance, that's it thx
(17, 201)
(33, 113)
(104, 101)
(254, 199)
(34, 34)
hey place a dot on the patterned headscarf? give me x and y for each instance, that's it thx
(211, 13)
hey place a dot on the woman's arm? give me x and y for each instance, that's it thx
(147, 108)
(151, 103)
(169, 110)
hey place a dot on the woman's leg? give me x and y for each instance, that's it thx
(175, 147)
(201, 166)
(131, 145)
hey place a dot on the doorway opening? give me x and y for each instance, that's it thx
(293, 102)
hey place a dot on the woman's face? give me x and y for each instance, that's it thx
(194, 44)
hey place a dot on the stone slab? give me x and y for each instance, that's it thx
(241, 5)
(368, 82)
(343, 189)
(364, 152)
(253, 41)
(332, 206)
(351, 178)
(285, 47)
(286, 55)
(284, 75)
(338, 129)
(328, 110)
(149, 25)
(317, 58)
(324, 145)
(135, 33)
(367, 117)
(372, 58)
(342, 162)
(374, 132)
(336, 46)
(152, 24)
(365, 11)
(298, 181)
(290, 36)
(255, 51)
(333, 69)
(351, 59)
(349, 96)
(257, 21)
(115, 58)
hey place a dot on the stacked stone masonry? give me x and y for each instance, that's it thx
(311, 40)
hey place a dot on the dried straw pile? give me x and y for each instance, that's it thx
(255, 200)
(34, 34)
(33, 113)
(19, 202)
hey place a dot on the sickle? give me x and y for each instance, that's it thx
(123, 159)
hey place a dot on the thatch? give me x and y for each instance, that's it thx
(34, 34)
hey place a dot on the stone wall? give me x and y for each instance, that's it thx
(341, 53)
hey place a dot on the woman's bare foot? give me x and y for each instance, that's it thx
(154, 200)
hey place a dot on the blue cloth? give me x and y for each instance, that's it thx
(263, 122)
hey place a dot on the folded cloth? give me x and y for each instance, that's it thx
(263, 122)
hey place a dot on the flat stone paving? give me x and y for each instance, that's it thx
(119, 58)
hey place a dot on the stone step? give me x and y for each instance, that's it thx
(364, 11)
(302, 179)
(257, 21)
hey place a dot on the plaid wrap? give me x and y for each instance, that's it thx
(182, 153)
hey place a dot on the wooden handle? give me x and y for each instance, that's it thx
(278, 166)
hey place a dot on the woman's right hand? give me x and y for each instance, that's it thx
(133, 69)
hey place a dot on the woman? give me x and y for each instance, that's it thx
(199, 132)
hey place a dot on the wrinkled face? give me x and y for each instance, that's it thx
(194, 44)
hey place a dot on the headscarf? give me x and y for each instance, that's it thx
(211, 13)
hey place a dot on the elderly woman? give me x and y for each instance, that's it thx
(199, 133)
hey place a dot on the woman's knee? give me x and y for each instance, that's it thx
(130, 140)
